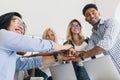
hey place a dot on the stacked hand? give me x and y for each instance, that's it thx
(71, 55)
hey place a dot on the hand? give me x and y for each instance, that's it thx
(72, 52)
(76, 59)
(81, 52)
(67, 46)
(66, 58)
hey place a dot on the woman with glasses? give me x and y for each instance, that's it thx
(75, 37)
(12, 40)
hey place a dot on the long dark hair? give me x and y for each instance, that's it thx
(6, 18)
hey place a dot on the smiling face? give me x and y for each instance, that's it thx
(17, 25)
(75, 28)
(50, 35)
(92, 16)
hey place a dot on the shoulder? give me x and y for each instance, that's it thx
(109, 23)
(7, 32)
(111, 20)
(68, 42)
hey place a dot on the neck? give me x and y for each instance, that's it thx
(95, 26)
(77, 39)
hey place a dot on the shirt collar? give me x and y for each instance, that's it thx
(101, 22)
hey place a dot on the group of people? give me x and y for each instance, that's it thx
(105, 39)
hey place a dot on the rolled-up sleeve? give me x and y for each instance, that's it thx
(90, 45)
(28, 63)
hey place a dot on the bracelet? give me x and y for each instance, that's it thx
(81, 56)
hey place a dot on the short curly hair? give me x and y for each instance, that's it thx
(89, 6)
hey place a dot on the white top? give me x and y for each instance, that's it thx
(81, 47)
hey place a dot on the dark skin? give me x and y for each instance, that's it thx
(46, 54)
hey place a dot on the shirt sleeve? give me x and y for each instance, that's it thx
(28, 63)
(21, 43)
(111, 34)
(90, 45)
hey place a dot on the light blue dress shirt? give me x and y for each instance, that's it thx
(10, 43)
(107, 36)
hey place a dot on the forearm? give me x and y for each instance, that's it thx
(46, 53)
(28, 63)
(95, 51)
(21, 53)
(61, 47)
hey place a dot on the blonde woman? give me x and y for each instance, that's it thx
(75, 37)
(12, 40)
(49, 34)
(48, 58)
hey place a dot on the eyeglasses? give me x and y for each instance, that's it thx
(75, 26)
(20, 22)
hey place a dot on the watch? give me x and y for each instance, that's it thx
(81, 56)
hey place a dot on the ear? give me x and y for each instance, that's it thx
(98, 13)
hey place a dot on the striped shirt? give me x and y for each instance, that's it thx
(107, 36)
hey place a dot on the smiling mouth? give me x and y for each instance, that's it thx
(93, 19)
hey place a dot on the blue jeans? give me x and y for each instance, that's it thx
(39, 73)
(80, 72)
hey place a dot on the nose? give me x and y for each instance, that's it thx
(50, 37)
(91, 15)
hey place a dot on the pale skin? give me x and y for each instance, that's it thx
(77, 39)
(18, 28)
(17, 25)
(47, 57)
(75, 34)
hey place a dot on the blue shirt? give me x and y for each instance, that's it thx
(10, 43)
(107, 36)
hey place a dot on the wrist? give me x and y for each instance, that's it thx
(81, 56)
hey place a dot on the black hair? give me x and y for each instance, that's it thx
(89, 6)
(6, 18)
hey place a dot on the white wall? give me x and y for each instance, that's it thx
(107, 8)
(40, 14)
